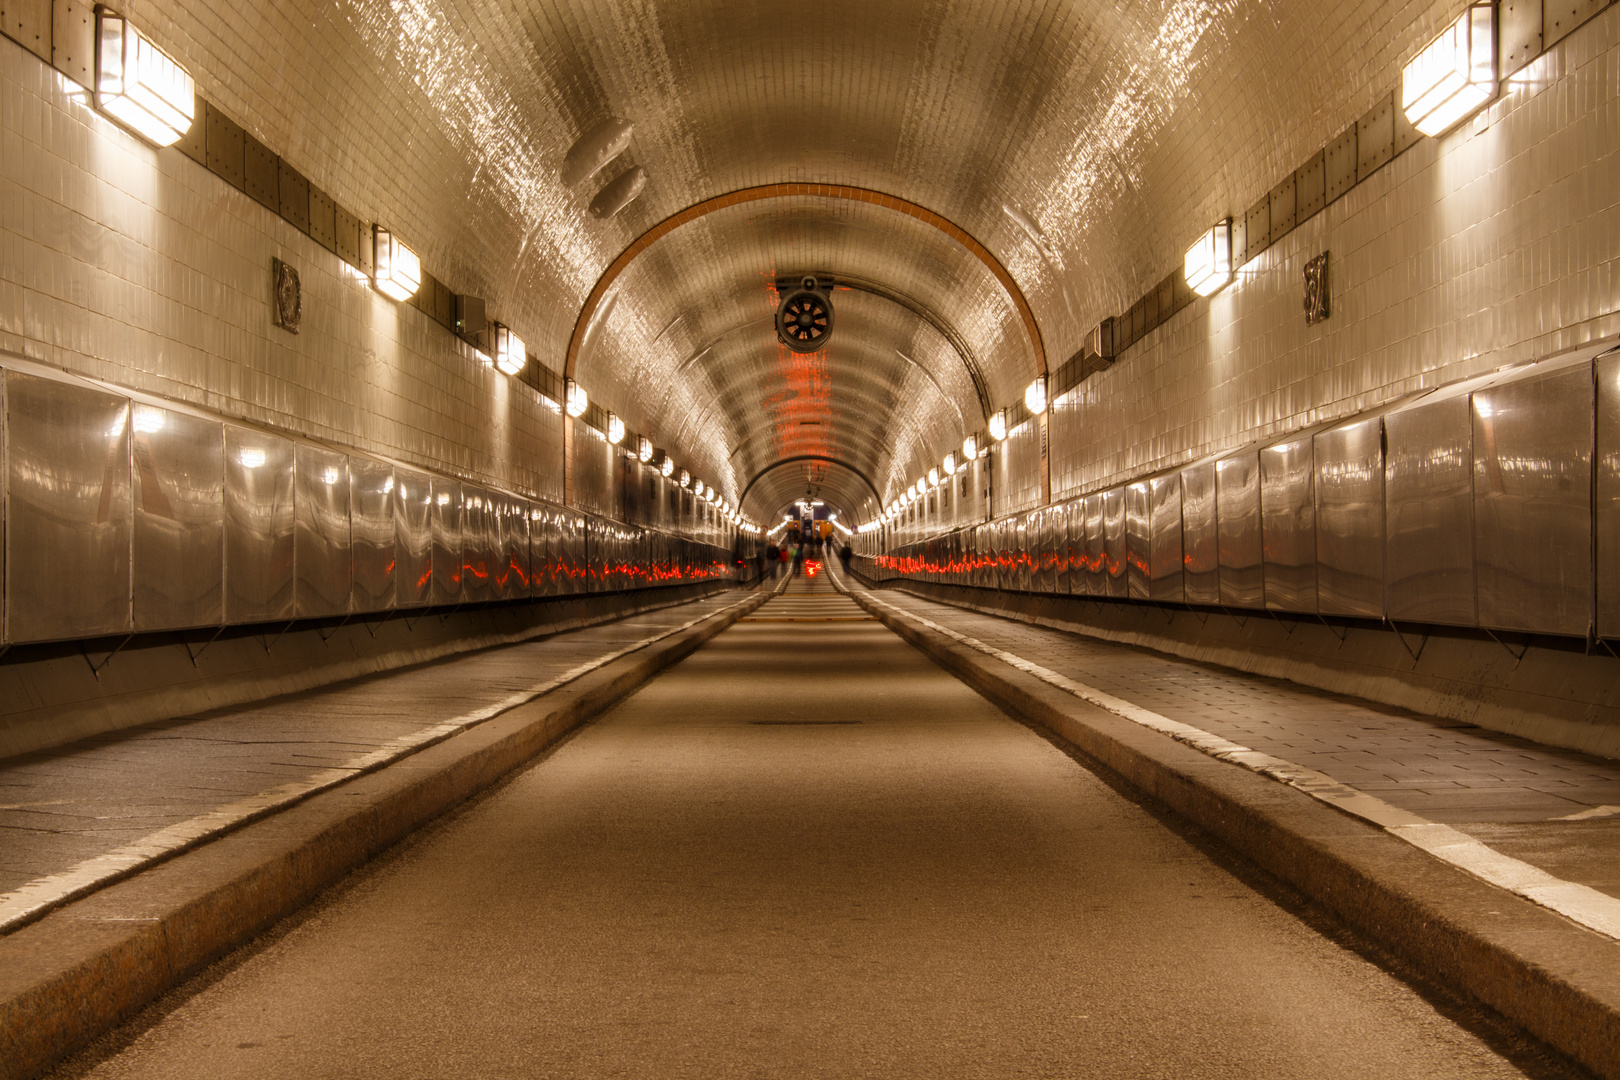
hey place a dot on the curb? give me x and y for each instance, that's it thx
(1556, 980)
(93, 963)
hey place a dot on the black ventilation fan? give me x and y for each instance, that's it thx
(804, 320)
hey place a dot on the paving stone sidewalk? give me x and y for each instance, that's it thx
(1509, 792)
(61, 807)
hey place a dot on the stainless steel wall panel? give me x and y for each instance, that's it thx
(1429, 512)
(70, 511)
(515, 537)
(372, 532)
(1237, 508)
(1114, 543)
(323, 563)
(1138, 539)
(1026, 536)
(1165, 583)
(1607, 523)
(447, 541)
(178, 563)
(1200, 535)
(1350, 519)
(476, 556)
(259, 526)
(1288, 524)
(1096, 579)
(1533, 439)
(413, 539)
(1075, 557)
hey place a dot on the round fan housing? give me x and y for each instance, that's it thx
(804, 319)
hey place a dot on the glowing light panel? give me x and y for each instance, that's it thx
(397, 272)
(1208, 265)
(1454, 75)
(139, 85)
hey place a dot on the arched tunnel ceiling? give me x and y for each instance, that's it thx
(783, 483)
(1081, 142)
(896, 387)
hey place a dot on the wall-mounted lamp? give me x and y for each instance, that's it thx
(510, 353)
(1208, 265)
(1454, 75)
(668, 465)
(697, 487)
(645, 450)
(615, 431)
(396, 271)
(998, 425)
(933, 478)
(686, 478)
(1035, 396)
(577, 402)
(139, 85)
(970, 449)
(950, 464)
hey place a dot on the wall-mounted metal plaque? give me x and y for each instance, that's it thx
(1318, 297)
(287, 296)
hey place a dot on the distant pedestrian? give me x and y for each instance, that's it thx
(797, 552)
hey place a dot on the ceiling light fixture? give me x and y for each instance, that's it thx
(970, 449)
(1035, 396)
(998, 425)
(668, 465)
(396, 271)
(615, 431)
(1208, 265)
(1454, 75)
(645, 450)
(510, 352)
(139, 85)
(577, 402)
(950, 464)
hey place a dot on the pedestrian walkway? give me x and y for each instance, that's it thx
(1555, 809)
(805, 851)
(75, 817)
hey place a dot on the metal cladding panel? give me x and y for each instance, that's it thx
(1138, 540)
(1288, 524)
(69, 511)
(1075, 557)
(571, 556)
(542, 550)
(178, 563)
(1096, 577)
(476, 556)
(1237, 506)
(1429, 513)
(1533, 440)
(1200, 535)
(1165, 582)
(1350, 519)
(371, 528)
(1608, 496)
(446, 557)
(1114, 543)
(325, 568)
(413, 539)
(983, 547)
(259, 526)
(516, 568)
(1026, 538)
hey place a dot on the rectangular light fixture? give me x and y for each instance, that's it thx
(510, 353)
(576, 402)
(1208, 266)
(1454, 75)
(1035, 396)
(615, 431)
(998, 425)
(396, 271)
(139, 85)
(644, 451)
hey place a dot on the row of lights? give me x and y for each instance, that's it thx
(147, 91)
(1452, 78)
(1034, 400)
(707, 492)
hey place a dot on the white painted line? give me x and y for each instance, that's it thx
(29, 901)
(1592, 909)
(1594, 812)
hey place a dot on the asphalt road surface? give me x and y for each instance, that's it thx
(803, 852)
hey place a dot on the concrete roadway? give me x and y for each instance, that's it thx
(803, 852)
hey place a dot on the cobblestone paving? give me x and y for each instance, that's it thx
(63, 806)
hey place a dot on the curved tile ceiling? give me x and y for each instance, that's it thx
(1069, 137)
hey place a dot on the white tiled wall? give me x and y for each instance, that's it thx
(1496, 243)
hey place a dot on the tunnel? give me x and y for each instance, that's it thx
(936, 538)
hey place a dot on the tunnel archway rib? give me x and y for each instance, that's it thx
(786, 190)
(849, 485)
